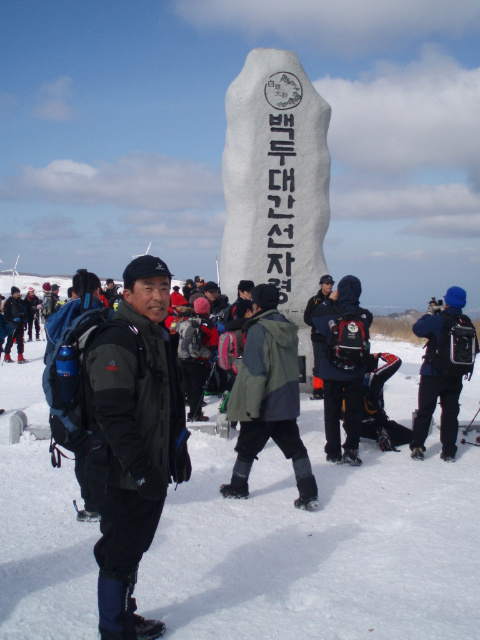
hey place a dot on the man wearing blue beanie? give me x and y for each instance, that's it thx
(438, 378)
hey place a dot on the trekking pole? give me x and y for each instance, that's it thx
(466, 431)
(205, 386)
(474, 444)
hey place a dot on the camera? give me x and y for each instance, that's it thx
(435, 306)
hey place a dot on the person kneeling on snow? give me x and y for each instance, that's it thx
(376, 425)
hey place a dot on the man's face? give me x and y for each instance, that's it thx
(326, 288)
(150, 297)
(246, 295)
(110, 285)
(16, 295)
(211, 295)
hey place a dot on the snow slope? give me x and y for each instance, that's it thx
(392, 552)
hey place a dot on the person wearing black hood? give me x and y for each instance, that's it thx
(342, 384)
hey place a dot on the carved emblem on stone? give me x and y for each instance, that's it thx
(283, 90)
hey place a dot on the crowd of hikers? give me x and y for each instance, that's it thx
(122, 365)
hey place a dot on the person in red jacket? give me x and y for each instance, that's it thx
(176, 297)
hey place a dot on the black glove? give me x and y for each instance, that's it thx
(180, 464)
(149, 481)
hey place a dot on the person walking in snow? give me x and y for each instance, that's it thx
(16, 315)
(138, 443)
(265, 398)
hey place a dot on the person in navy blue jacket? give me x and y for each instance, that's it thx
(433, 386)
(340, 384)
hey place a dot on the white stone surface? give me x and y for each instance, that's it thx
(18, 422)
(272, 107)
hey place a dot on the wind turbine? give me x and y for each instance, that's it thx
(143, 254)
(13, 270)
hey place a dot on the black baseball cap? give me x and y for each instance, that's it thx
(210, 286)
(144, 267)
(326, 279)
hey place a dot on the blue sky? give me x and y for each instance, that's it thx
(113, 127)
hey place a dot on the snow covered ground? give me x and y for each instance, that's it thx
(392, 552)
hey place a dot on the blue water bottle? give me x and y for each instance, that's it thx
(67, 375)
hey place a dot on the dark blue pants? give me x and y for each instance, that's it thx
(336, 391)
(430, 390)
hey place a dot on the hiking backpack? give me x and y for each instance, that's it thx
(64, 380)
(349, 347)
(454, 355)
(190, 339)
(230, 347)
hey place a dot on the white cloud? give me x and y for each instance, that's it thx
(460, 226)
(423, 114)
(345, 26)
(143, 181)
(452, 201)
(53, 100)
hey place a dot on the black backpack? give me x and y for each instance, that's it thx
(348, 348)
(454, 355)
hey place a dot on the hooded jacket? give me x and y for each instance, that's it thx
(267, 386)
(431, 327)
(134, 415)
(349, 291)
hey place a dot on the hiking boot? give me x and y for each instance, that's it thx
(385, 442)
(21, 359)
(228, 491)
(88, 516)
(29, 340)
(336, 458)
(417, 453)
(317, 394)
(7, 358)
(148, 629)
(350, 456)
(201, 417)
(447, 458)
(306, 504)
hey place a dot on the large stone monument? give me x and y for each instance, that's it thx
(276, 175)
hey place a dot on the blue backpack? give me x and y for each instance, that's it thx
(64, 382)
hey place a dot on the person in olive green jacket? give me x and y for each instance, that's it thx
(265, 398)
(138, 442)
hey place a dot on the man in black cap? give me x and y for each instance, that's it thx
(111, 292)
(265, 398)
(139, 440)
(318, 341)
(16, 315)
(218, 301)
(244, 292)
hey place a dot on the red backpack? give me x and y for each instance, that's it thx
(349, 347)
